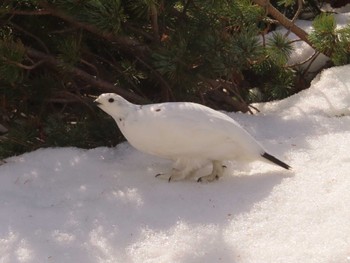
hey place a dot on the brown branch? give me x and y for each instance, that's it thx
(296, 15)
(127, 44)
(230, 86)
(65, 97)
(23, 66)
(103, 85)
(127, 25)
(37, 12)
(166, 88)
(284, 21)
(154, 21)
(114, 66)
(254, 108)
(222, 97)
(41, 43)
(92, 66)
(186, 7)
(304, 61)
(312, 60)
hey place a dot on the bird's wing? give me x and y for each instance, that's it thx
(186, 129)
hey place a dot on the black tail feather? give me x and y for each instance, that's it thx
(275, 160)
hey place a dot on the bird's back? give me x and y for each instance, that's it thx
(188, 130)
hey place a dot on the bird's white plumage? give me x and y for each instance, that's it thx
(190, 134)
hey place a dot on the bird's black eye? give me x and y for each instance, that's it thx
(110, 100)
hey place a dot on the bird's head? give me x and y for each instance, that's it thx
(113, 104)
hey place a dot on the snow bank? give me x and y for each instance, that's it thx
(329, 95)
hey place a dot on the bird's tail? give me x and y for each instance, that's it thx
(274, 160)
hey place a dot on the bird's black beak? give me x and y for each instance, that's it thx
(96, 102)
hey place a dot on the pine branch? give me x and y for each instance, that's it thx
(37, 12)
(129, 45)
(23, 66)
(315, 54)
(186, 7)
(167, 93)
(284, 20)
(41, 43)
(103, 85)
(312, 60)
(296, 15)
(220, 96)
(135, 29)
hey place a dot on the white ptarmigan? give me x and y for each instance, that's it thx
(190, 134)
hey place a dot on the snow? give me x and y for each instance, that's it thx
(105, 205)
(344, 9)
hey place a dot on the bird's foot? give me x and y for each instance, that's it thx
(163, 176)
(175, 175)
(208, 178)
(218, 170)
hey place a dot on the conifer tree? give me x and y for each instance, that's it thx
(55, 55)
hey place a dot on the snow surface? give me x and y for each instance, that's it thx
(105, 205)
